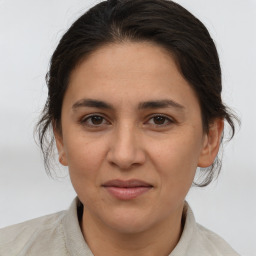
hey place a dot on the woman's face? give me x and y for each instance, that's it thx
(131, 136)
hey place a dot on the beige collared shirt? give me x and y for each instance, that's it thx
(59, 234)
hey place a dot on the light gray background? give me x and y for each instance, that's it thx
(29, 32)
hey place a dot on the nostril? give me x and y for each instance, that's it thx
(124, 163)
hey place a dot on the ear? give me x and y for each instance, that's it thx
(211, 143)
(59, 144)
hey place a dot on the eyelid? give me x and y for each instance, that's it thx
(170, 119)
(87, 117)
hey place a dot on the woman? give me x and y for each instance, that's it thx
(134, 106)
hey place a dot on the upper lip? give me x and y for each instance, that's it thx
(126, 183)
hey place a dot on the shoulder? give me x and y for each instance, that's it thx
(213, 243)
(33, 237)
(197, 240)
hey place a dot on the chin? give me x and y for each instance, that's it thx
(129, 221)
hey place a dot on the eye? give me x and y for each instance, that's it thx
(160, 120)
(94, 121)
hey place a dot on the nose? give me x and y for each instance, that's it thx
(126, 150)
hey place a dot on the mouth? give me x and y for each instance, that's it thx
(127, 189)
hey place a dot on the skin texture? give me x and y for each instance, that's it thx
(127, 142)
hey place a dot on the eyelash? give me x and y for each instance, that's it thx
(86, 118)
(166, 118)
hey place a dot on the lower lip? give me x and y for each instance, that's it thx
(127, 193)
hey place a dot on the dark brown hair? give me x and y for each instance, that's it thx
(162, 22)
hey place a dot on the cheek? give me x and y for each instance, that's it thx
(176, 159)
(84, 162)
(84, 158)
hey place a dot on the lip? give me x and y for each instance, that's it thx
(127, 189)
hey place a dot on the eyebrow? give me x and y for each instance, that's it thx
(92, 103)
(160, 104)
(152, 104)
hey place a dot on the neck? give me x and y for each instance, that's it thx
(160, 239)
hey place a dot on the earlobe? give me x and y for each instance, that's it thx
(60, 146)
(62, 154)
(211, 143)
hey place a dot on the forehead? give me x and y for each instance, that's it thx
(120, 60)
(129, 72)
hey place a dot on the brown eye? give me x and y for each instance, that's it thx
(160, 120)
(94, 121)
(97, 120)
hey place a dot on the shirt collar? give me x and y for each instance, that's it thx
(75, 243)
